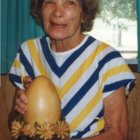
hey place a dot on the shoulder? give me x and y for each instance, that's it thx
(103, 51)
(29, 47)
(100, 45)
(30, 42)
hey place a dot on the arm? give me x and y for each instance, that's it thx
(116, 121)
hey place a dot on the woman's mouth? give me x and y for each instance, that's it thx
(58, 25)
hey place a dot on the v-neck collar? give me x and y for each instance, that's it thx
(59, 70)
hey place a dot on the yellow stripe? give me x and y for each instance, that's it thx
(114, 71)
(100, 126)
(36, 57)
(84, 66)
(22, 77)
(86, 110)
(16, 64)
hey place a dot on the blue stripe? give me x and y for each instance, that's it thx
(14, 78)
(49, 58)
(116, 85)
(59, 71)
(87, 129)
(89, 83)
(26, 64)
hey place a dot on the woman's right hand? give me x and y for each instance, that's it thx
(21, 99)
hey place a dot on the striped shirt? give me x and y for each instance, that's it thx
(86, 75)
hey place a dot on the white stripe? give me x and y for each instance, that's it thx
(73, 133)
(119, 77)
(26, 52)
(19, 85)
(108, 93)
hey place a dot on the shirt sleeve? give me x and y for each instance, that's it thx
(116, 74)
(21, 67)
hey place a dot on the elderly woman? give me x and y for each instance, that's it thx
(92, 76)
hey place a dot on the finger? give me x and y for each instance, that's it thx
(23, 98)
(20, 105)
(19, 92)
(17, 109)
(22, 95)
(26, 86)
(27, 80)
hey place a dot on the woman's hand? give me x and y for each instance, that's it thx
(21, 99)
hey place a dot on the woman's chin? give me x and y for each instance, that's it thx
(58, 37)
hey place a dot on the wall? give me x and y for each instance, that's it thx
(6, 101)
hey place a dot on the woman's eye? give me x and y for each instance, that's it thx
(71, 2)
(48, 2)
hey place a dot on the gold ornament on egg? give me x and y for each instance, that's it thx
(16, 129)
(29, 130)
(62, 129)
(45, 131)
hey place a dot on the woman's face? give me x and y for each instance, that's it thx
(62, 18)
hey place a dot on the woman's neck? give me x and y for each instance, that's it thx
(66, 44)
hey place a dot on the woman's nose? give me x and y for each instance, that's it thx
(59, 11)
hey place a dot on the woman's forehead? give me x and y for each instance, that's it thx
(64, 0)
(79, 1)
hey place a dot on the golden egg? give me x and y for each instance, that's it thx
(43, 102)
